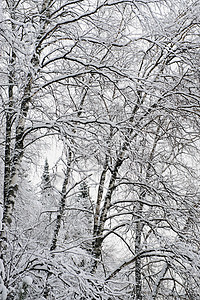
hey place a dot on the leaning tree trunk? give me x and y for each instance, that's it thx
(62, 204)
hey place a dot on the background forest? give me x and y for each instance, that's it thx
(112, 212)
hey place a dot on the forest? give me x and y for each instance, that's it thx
(99, 149)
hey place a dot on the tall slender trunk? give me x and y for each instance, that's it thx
(61, 211)
(7, 165)
(62, 204)
(102, 217)
(138, 237)
(8, 129)
(13, 166)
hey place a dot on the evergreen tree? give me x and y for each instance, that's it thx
(85, 204)
(48, 197)
(46, 182)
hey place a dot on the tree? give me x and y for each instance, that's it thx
(118, 83)
(46, 182)
(48, 193)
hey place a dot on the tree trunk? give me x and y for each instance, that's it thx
(62, 204)
(138, 236)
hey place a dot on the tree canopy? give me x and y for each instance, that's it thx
(115, 214)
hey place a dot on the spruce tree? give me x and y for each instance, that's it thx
(48, 198)
(46, 182)
(85, 216)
